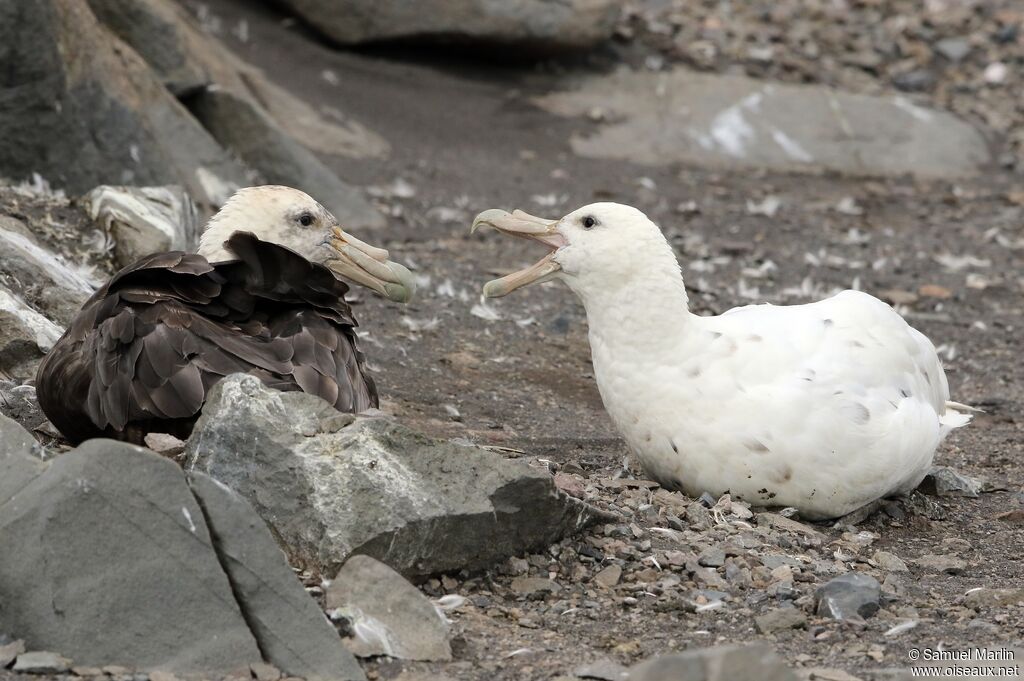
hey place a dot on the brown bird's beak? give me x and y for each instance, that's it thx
(369, 266)
(526, 226)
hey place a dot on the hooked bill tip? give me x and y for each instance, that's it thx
(487, 216)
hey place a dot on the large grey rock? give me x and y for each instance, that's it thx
(189, 59)
(107, 560)
(164, 35)
(292, 631)
(25, 336)
(81, 108)
(850, 596)
(144, 220)
(388, 615)
(254, 118)
(683, 116)
(721, 663)
(110, 557)
(250, 132)
(539, 23)
(330, 488)
(943, 481)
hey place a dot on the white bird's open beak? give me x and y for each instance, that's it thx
(369, 266)
(526, 226)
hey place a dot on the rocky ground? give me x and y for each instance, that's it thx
(666, 573)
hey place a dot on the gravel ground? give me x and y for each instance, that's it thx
(669, 574)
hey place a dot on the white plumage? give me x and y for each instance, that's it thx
(824, 407)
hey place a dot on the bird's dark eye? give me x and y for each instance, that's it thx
(589, 222)
(306, 219)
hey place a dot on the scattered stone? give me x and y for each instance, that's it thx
(712, 557)
(518, 566)
(888, 561)
(570, 484)
(563, 24)
(785, 524)
(942, 481)
(780, 619)
(533, 586)
(937, 563)
(850, 596)
(388, 615)
(732, 120)
(603, 670)
(953, 49)
(1014, 517)
(722, 663)
(774, 561)
(10, 651)
(935, 291)
(988, 598)
(899, 296)
(329, 488)
(144, 220)
(609, 576)
(41, 662)
(698, 516)
(164, 444)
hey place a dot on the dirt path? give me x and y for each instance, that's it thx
(523, 380)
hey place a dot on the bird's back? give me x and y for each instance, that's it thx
(147, 348)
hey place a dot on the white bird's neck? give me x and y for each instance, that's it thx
(646, 316)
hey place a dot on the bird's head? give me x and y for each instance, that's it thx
(596, 247)
(293, 219)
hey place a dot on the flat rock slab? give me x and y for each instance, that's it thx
(721, 663)
(331, 486)
(108, 560)
(389, 615)
(712, 120)
(41, 662)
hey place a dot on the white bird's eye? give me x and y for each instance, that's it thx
(306, 219)
(588, 222)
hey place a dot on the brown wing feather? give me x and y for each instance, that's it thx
(146, 348)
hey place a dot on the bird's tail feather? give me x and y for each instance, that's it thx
(958, 415)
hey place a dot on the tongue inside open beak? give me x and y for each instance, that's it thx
(526, 226)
